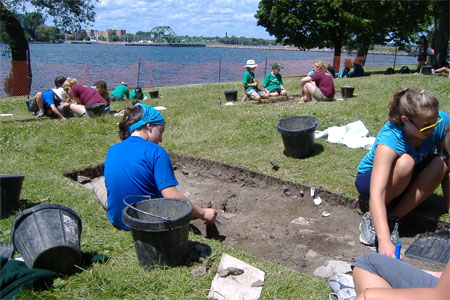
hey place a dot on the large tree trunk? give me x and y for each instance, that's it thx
(337, 57)
(440, 43)
(19, 79)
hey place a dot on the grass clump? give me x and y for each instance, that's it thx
(243, 134)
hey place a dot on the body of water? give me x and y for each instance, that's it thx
(160, 65)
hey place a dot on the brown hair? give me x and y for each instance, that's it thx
(101, 84)
(132, 115)
(409, 102)
(59, 81)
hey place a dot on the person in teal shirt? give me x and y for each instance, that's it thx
(120, 92)
(273, 82)
(137, 94)
(251, 84)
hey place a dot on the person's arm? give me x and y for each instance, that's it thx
(440, 292)
(145, 97)
(56, 111)
(381, 174)
(206, 214)
(304, 80)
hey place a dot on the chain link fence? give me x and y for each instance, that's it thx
(15, 78)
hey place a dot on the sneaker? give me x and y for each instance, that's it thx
(393, 223)
(367, 230)
(40, 114)
(302, 100)
(343, 287)
(244, 98)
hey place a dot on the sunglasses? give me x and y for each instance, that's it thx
(427, 127)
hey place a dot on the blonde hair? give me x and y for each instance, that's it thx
(68, 83)
(409, 102)
(320, 65)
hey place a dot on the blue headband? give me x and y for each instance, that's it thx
(150, 115)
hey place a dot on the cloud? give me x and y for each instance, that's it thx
(185, 17)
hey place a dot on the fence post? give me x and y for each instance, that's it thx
(28, 75)
(139, 71)
(265, 67)
(220, 65)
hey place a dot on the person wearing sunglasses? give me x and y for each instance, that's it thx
(403, 168)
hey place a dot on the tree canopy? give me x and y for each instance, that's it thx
(66, 14)
(337, 23)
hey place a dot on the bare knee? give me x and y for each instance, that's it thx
(404, 165)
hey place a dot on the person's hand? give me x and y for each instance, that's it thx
(387, 248)
(209, 215)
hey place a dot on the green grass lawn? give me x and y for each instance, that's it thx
(243, 135)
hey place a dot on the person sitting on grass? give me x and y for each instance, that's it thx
(251, 84)
(444, 69)
(100, 87)
(358, 70)
(344, 73)
(48, 103)
(137, 94)
(273, 82)
(140, 166)
(120, 92)
(319, 86)
(402, 169)
(81, 96)
(380, 277)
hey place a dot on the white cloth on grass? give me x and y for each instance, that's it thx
(353, 135)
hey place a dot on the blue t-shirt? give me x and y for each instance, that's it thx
(135, 167)
(392, 136)
(48, 98)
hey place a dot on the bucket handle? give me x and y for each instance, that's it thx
(165, 219)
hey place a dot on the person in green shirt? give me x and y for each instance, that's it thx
(120, 92)
(273, 82)
(251, 84)
(137, 94)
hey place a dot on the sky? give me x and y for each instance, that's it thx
(185, 17)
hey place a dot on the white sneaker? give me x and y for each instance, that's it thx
(40, 114)
(342, 286)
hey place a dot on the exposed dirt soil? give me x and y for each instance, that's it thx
(256, 213)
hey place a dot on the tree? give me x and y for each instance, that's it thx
(336, 23)
(30, 22)
(309, 24)
(65, 13)
(441, 33)
(46, 33)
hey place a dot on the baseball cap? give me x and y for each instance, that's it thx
(138, 90)
(277, 66)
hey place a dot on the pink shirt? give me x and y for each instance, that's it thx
(87, 95)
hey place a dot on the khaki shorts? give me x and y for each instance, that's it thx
(255, 93)
(319, 96)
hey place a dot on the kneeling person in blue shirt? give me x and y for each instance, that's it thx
(139, 166)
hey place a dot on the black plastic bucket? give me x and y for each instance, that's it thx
(160, 229)
(297, 133)
(10, 187)
(231, 95)
(154, 94)
(48, 237)
(426, 70)
(95, 110)
(347, 91)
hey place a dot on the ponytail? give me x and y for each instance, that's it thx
(409, 102)
(133, 113)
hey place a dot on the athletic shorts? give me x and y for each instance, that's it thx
(398, 274)
(276, 91)
(362, 181)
